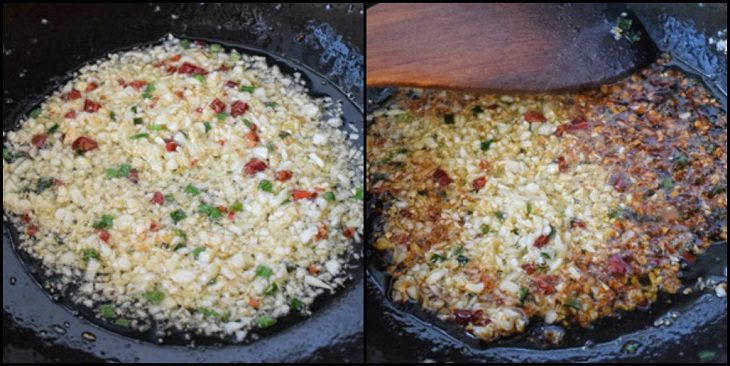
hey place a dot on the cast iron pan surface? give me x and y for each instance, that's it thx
(690, 324)
(42, 44)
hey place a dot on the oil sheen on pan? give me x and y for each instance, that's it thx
(566, 208)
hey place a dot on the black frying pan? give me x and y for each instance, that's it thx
(43, 43)
(400, 333)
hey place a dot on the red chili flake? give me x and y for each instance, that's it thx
(546, 283)
(231, 215)
(254, 166)
(253, 138)
(283, 175)
(104, 235)
(70, 114)
(321, 233)
(137, 84)
(253, 127)
(238, 108)
(533, 117)
(541, 241)
(222, 142)
(222, 209)
(90, 106)
(31, 230)
(199, 109)
(188, 68)
(171, 145)
(39, 140)
(134, 176)
(479, 183)
(465, 317)
(562, 164)
(194, 162)
(529, 268)
(84, 144)
(348, 232)
(180, 94)
(57, 182)
(171, 69)
(158, 198)
(301, 195)
(154, 227)
(688, 256)
(232, 84)
(175, 58)
(616, 265)
(91, 87)
(72, 95)
(576, 124)
(441, 177)
(25, 218)
(217, 105)
(223, 68)
(577, 223)
(484, 165)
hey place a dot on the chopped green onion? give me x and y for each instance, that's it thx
(329, 196)
(170, 198)
(157, 127)
(215, 48)
(284, 134)
(122, 171)
(36, 112)
(500, 215)
(90, 254)
(221, 116)
(197, 251)
(6, 154)
(236, 207)
(667, 183)
(272, 105)
(155, 296)
(360, 194)
(486, 144)
(449, 119)
(484, 229)
(106, 311)
(296, 304)
(122, 322)
(271, 289)
(477, 110)
(574, 303)
(185, 44)
(265, 321)
(140, 136)
(266, 186)
(529, 208)
(178, 215)
(192, 190)
(437, 258)
(199, 78)
(523, 294)
(105, 222)
(53, 129)
(207, 126)
(234, 56)
(138, 121)
(247, 88)
(134, 109)
(705, 356)
(209, 312)
(148, 90)
(113, 116)
(247, 122)
(212, 212)
(264, 271)
(43, 184)
(181, 234)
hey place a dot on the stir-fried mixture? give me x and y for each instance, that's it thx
(188, 185)
(567, 208)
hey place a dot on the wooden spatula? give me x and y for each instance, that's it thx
(502, 47)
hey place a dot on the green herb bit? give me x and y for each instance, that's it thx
(90, 254)
(215, 48)
(199, 78)
(157, 127)
(667, 183)
(140, 136)
(360, 194)
(284, 134)
(436, 257)
(273, 287)
(185, 44)
(272, 105)
(122, 171)
(6, 154)
(247, 88)
(329, 196)
(105, 222)
(264, 271)
(266, 186)
(36, 113)
(296, 304)
(208, 312)
(113, 116)
(265, 322)
(484, 229)
(53, 129)
(154, 296)
(500, 215)
(477, 110)
(234, 56)
(43, 184)
(178, 215)
(107, 311)
(207, 127)
(148, 90)
(221, 116)
(236, 207)
(486, 144)
(197, 251)
(123, 322)
(524, 292)
(192, 190)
